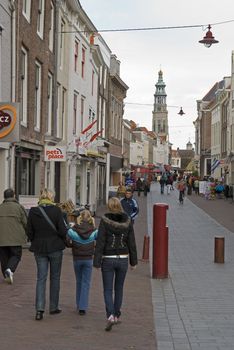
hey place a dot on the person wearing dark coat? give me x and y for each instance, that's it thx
(47, 244)
(115, 248)
(13, 221)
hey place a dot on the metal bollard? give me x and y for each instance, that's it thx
(160, 242)
(219, 250)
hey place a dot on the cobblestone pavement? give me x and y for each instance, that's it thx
(68, 330)
(194, 307)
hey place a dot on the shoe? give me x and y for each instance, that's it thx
(110, 323)
(54, 312)
(116, 320)
(82, 312)
(9, 276)
(39, 315)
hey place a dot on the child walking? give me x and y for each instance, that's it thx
(83, 236)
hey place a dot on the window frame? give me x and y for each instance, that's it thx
(24, 87)
(26, 10)
(41, 18)
(37, 96)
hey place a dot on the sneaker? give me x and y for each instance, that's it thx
(9, 276)
(109, 324)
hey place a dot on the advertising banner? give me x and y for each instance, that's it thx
(9, 122)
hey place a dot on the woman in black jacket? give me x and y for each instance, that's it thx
(47, 244)
(115, 244)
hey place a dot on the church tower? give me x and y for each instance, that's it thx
(160, 114)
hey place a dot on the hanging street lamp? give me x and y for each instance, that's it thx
(181, 112)
(208, 39)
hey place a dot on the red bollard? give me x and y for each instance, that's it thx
(145, 254)
(160, 241)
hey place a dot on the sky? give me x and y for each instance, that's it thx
(189, 68)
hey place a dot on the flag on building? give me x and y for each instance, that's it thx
(89, 127)
(214, 165)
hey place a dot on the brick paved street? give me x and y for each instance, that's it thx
(69, 331)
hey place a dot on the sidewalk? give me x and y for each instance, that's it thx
(69, 331)
(194, 307)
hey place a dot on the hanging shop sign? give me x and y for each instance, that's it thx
(55, 153)
(9, 122)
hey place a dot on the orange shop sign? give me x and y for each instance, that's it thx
(9, 122)
(56, 153)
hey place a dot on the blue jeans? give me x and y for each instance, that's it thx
(113, 274)
(83, 272)
(54, 260)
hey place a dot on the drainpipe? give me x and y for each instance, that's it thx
(11, 155)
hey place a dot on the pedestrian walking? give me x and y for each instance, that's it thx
(130, 205)
(121, 190)
(162, 182)
(83, 236)
(115, 245)
(47, 232)
(196, 186)
(168, 183)
(181, 188)
(13, 222)
(139, 186)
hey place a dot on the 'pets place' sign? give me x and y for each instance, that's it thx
(56, 153)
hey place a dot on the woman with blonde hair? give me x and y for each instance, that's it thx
(83, 236)
(115, 246)
(46, 231)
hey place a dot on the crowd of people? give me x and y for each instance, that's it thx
(110, 247)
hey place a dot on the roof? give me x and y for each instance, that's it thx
(211, 94)
(184, 153)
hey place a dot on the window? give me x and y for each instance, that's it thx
(75, 99)
(40, 18)
(105, 78)
(92, 85)
(83, 63)
(82, 113)
(63, 112)
(104, 119)
(51, 29)
(26, 10)
(37, 102)
(24, 87)
(49, 104)
(76, 55)
(58, 133)
(100, 75)
(61, 44)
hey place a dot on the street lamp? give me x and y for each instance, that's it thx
(181, 112)
(208, 39)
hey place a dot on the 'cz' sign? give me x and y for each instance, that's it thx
(58, 154)
(9, 122)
